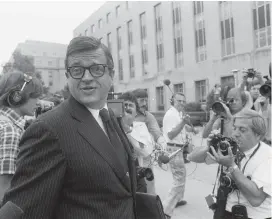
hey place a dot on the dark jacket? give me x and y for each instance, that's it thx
(68, 169)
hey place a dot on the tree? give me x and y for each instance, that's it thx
(25, 64)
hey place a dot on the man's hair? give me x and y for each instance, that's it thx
(257, 121)
(241, 93)
(84, 43)
(140, 93)
(129, 96)
(15, 80)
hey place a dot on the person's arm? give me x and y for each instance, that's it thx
(153, 126)
(212, 124)
(40, 169)
(172, 121)
(253, 192)
(250, 190)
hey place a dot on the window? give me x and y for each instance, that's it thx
(201, 91)
(119, 39)
(130, 36)
(109, 40)
(262, 26)
(143, 25)
(200, 36)
(93, 28)
(44, 54)
(179, 88)
(160, 98)
(178, 46)
(86, 32)
(159, 37)
(117, 10)
(120, 65)
(198, 7)
(228, 81)
(144, 54)
(143, 42)
(50, 74)
(100, 23)
(128, 4)
(227, 30)
(131, 66)
(49, 63)
(108, 17)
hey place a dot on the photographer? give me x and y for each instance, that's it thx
(141, 141)
(18, 98)
(236, 101)
(250, 196)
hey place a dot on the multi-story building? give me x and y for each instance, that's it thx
(48, 59)
(194, 44)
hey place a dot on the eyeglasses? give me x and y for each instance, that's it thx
(78, 72)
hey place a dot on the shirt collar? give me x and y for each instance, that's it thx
(13, 117)
(250, 151)
(95, 112)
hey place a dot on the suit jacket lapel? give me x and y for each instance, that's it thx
(129, 149)
(90, 130)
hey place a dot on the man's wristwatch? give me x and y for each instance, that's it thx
(232, 168)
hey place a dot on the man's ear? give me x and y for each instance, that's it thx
(66, 74)
(112, 72)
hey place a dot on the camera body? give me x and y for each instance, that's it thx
(227, 182)
(251, 73)
(117, 107)
(222, 143)
(144, 172)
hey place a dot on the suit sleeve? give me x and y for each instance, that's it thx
(39, 175)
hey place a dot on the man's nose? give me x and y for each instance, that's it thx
(87, 75)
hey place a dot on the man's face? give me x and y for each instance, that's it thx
(243, 133)
(28, 109)
(254, 91)
(143, 104)
(236, 103)
(90, 91)
(179, 102)
(130, 107)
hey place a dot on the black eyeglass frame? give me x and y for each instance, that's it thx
(87, 68)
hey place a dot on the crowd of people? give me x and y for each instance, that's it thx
(80, 160)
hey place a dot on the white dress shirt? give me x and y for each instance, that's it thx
(258, 169)
(95, 113)
(170, 120)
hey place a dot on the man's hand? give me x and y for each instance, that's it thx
(218, 157)
(259, 76)
(186, 119)
(213, 116)
(127, 121)
(227, 113)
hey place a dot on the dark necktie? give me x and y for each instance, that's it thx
(113, 136)
(239, 157)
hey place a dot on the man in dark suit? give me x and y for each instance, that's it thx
(75, 161)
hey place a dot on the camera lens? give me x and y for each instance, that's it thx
(224, 145)
(226, 181)
(217, 107)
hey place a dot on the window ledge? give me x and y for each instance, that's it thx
(262, 49)
(229, 56)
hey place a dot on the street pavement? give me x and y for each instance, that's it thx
(199, 184)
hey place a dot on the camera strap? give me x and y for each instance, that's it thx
(216, 179)
(244, 167)
(254, 152)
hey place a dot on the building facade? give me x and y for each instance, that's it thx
(49, 60)
(193, 44)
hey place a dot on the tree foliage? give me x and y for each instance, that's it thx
(25, 64)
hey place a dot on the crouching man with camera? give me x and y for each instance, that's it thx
(245, 180)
